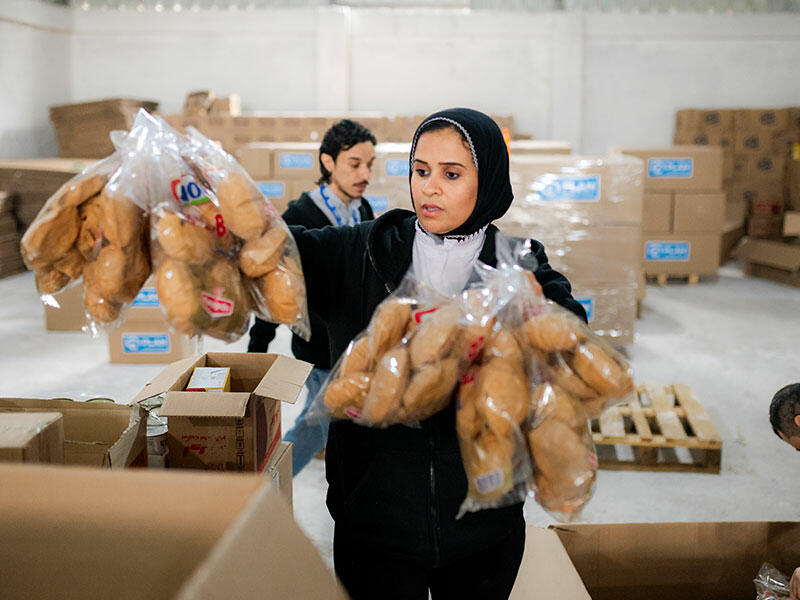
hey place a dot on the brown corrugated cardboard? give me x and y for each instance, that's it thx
(32, 437)
(766, 207)
(731, 234)
(767, 166)
(735, 211)
(765, 227)
(279, 469)
(86, 534)
(391, 168)
(610, 308)
(675, 561)
(521, 147)
(778, 261)
(96, 434)
(791, 223)
(752, 141)
(256, 158)
(681, 253)
(696, 168)
(295, 161)
(237, 430)
(657, 215)
(384, 198)
(699, 212)
(227, 105)
(756, 189)
(199, 103)
(768, 120)
(70, 314)
(692, 121)
(793, 179)
(576, 189)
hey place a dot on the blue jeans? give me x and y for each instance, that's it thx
(308, 439)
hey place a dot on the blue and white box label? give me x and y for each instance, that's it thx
(567, 188)
(670, 168)
(296, 160)
(588, 306)
(379, 204)
(146, 298)
(397, 167)
(271, 189)
(145, 343)
(668, 251)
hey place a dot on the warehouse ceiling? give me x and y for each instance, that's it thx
(622, 6)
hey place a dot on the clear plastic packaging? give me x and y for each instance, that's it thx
(771, 584)
(267, 254)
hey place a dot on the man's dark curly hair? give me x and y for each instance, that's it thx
(784, 407)
(340, 137)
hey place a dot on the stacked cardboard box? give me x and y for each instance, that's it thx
(684, 209)
(756, 144)
(228, 431)
(10, 258)
(587, 211)
(83, 129)
(32, 437)
(144, 337)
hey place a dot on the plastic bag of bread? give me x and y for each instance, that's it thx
(195, 257)
(266, 253)
(405, 366)
(564, 459)
(771, 584)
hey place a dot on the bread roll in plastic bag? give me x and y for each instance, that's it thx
(266, 253)
(771, 584)
(405, 366)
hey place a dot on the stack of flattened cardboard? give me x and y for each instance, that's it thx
(757, 144)
(587, 211)
(684, 209)
(91, 534)
(83, 129)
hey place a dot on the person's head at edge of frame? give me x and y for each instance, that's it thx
(346, 156)
(459, 175)
(784, 414)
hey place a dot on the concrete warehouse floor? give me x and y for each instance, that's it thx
(733, 340)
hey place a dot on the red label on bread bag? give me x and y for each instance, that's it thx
(216, 305)
(420, 314)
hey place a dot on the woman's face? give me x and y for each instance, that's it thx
(444, 181)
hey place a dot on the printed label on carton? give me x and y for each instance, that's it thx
(379, 204)
(588, 306)
(271, 189)
(668, 251)
(296, 160)
(568, 188)
(145, 343)
(146, 298)
(397, 167)
(678, 168)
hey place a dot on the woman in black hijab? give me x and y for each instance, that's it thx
(394, 493)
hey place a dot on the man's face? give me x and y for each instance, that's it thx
(351, 170)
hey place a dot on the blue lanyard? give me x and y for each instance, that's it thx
(332, 208)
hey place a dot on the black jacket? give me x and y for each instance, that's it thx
(317, 351)
(398, 489)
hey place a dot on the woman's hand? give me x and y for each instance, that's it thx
(794, 585)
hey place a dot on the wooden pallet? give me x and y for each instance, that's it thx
(664, 428)
(663, 278)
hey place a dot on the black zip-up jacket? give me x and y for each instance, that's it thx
(317, 351)
(398, 490)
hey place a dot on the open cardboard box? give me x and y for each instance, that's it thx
(97, 434)
(653, 561)
(85, 534)
(768, 259)
(233, 431)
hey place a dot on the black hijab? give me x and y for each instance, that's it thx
(490, 156)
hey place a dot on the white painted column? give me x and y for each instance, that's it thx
(566, 115)
(333, 59)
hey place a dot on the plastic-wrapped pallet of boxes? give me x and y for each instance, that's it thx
(684, 209)
(587, 211)
(388, 186)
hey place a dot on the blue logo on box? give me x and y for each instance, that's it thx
(146, 298)
(296, 160)
(271, 189)
(145, 343)
(681, 168)
(588, 306)
(397, 167)
(379, 204)
(568, 188)
(668, 251)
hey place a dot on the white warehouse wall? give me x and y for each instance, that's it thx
(593, 79)
(35, 72)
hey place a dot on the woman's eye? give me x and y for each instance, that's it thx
(422, 172)
(451, 175)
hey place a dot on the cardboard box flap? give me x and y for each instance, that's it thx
(774, 254)
(546, 570)
(233, 570)
(284, 380)
(18, 429)
(204, 404)
(132, 441)
(166, 378)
